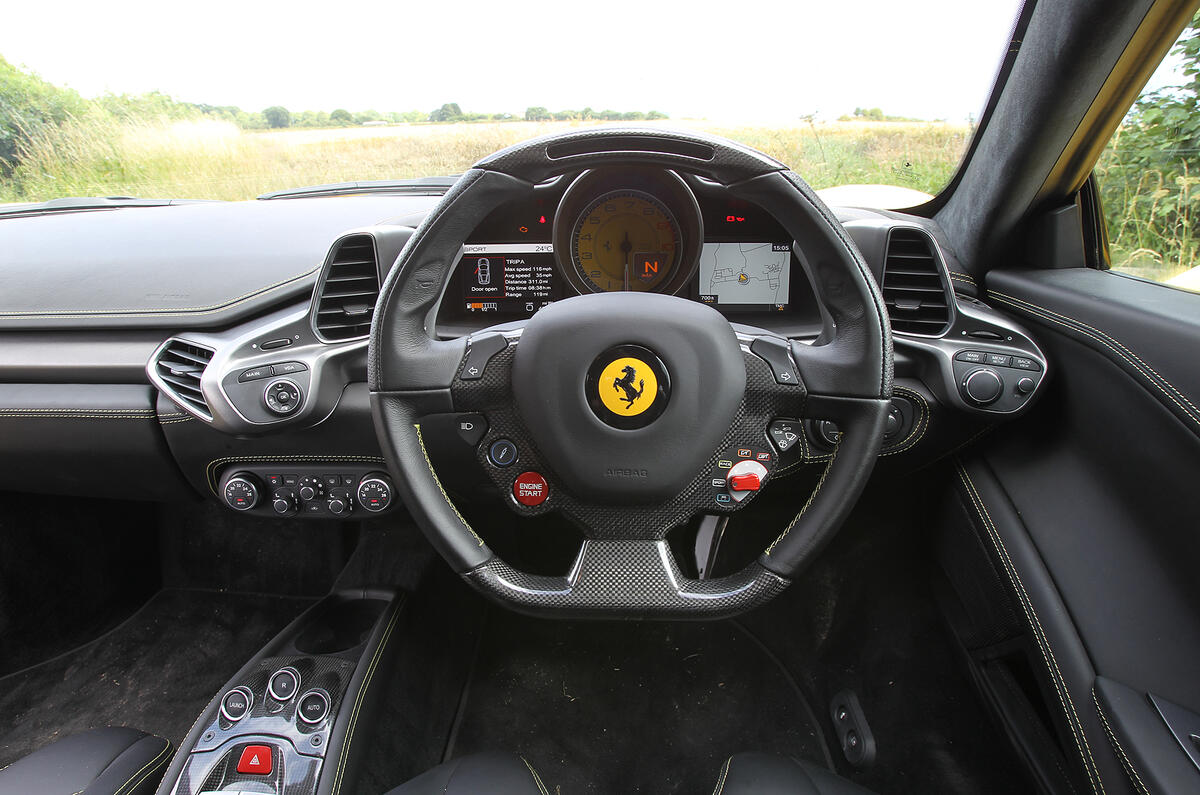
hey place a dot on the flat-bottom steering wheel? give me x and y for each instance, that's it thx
(713, 392)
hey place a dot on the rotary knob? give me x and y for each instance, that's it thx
(375, 492)
(983, 386)
(340, 505)
(242, 491)
(284, 503)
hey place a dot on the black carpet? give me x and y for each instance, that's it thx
(629, 707)
(155, 672)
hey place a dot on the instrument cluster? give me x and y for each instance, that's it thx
(626, 229)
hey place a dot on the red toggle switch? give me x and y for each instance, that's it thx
(746, 482)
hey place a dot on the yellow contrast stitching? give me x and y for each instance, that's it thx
(141, 412)
(1170, 391)
(536, 778)
(362, 691)
(1112, 738)
(1059, 681)
(724, 775)
(212, 465)
(198, 310)
(445, 496)
(148, 768)
(816, 490)
(961, 277)
(922, 425)
(79, 414)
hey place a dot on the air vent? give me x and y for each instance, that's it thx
(913, 288)
(346, 296)
(179, 366)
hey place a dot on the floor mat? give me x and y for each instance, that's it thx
(154, 672)
(629, 707)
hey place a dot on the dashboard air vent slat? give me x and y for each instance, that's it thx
(180, 366)
(346, 298)
(913, 288)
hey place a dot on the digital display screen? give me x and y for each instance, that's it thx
(508, 278)
(746, 274)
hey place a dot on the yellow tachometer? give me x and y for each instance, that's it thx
(625, 240)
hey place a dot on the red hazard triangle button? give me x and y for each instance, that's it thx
(256, 759)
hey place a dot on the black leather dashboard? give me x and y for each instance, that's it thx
(182, 266)
(89, 299)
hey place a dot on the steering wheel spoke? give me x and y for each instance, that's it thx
(630, 578)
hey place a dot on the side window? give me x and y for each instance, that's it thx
(1149, 175)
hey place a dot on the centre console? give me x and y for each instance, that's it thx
(283, 725)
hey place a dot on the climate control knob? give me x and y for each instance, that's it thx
(339, 505)
(242, 491)
(375, 492)
(284, 503)
(982, 386)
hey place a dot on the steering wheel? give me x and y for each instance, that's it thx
(548, 385)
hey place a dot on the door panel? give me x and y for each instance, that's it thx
(1103, 479)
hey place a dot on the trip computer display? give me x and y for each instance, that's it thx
(508, 278)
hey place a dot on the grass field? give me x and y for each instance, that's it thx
(216, 160)
(99, 156)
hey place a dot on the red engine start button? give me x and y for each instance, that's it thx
(530, 489)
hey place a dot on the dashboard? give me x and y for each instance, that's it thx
(220, 349)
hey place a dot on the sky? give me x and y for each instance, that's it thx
(734, 60)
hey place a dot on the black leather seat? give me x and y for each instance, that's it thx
(767, 774)
(114, 761)
(495, 773)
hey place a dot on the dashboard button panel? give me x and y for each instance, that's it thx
(310, 490)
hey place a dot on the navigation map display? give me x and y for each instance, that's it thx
(745, 274)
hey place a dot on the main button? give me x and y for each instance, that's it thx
(480, 352)
(255, 373)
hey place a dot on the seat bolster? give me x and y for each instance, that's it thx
(496, 773)
(767, 774)
(110, 761)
